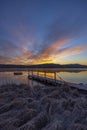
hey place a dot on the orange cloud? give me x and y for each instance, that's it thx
(53, 54)
(51, 50)
(70, 51)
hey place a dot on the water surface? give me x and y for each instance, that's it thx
(70, 75)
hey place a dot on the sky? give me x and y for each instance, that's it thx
(43, 31)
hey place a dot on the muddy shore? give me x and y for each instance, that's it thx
(39, 107)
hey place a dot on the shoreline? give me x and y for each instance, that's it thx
(42, 107)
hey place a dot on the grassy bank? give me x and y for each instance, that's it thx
(25, 107)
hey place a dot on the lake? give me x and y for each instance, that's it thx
(71, 75)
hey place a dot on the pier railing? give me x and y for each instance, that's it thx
(45, 78)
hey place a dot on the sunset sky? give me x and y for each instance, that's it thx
(43, 31)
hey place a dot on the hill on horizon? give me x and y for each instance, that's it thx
(48, 65)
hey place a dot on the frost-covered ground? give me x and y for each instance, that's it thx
(42, 108)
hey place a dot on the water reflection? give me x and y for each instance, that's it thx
(71, 75)
(9, 77)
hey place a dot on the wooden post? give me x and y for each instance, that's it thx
(28, 72)
(55, 76)
(32, 72)
(37, 73)
(45, 74)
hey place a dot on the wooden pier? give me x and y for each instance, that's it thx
(49, 81)
(44, 80)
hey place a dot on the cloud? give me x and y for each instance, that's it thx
(40, 34)
(26, 57)
(8, 48)
(3, 58)
(52, 54)
(55, 52)
(53, 47)
(70, 21)
(24, 36)
(68, 51)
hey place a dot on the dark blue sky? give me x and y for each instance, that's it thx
(43, 31)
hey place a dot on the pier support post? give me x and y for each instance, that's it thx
(55, 76)
(37, 73)
(45, 74)
(28, 73)
(32, 72)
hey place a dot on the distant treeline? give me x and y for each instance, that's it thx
(43, 66)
